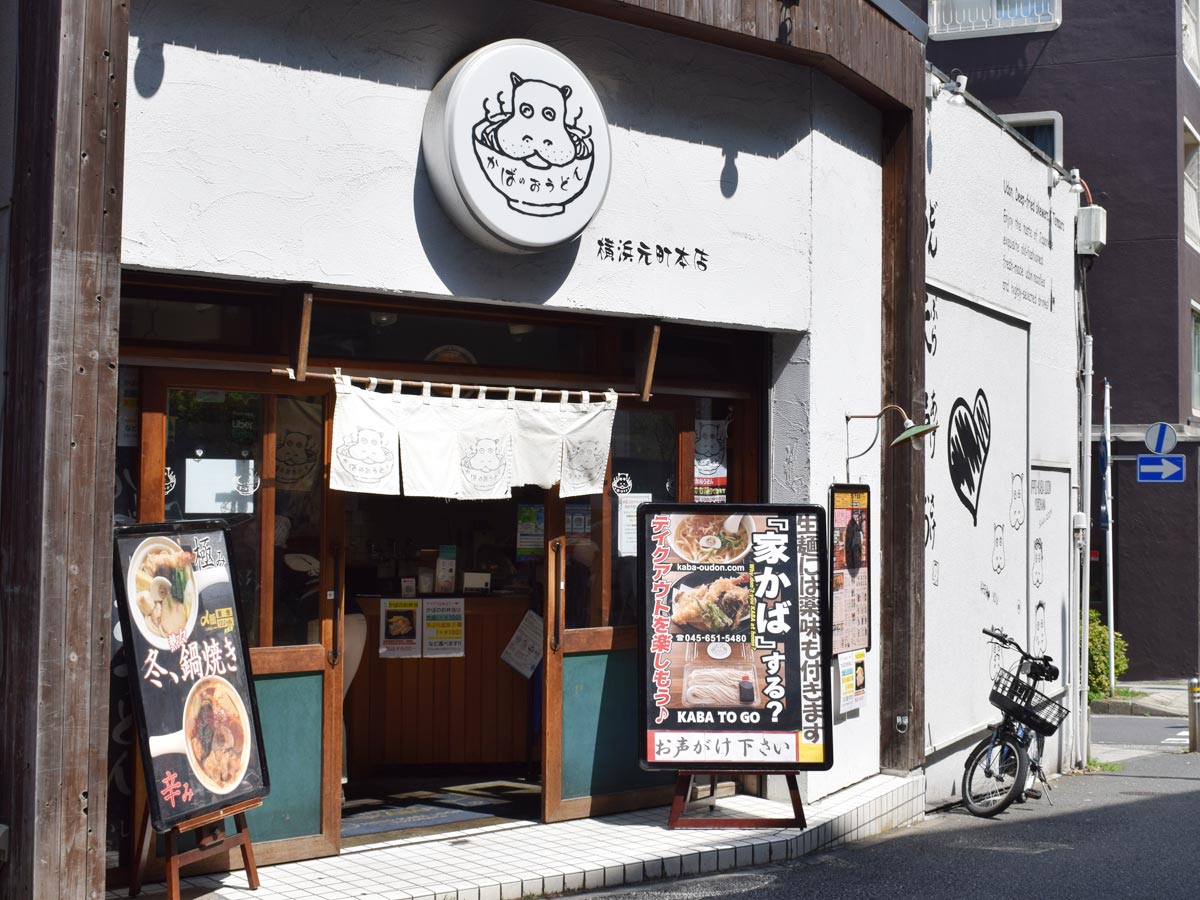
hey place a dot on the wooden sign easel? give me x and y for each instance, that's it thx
(210, 839)
(683, 789)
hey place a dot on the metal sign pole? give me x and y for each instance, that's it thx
(1108, 539)
(1085, 585)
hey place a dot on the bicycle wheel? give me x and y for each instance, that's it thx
(994, 775)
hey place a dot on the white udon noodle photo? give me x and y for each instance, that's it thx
(716, 686)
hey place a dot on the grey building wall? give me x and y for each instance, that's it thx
(790, 432)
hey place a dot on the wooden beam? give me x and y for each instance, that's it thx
(59, 434)
(851, 41)
(902, 587)
(303, 331)
(647, 358)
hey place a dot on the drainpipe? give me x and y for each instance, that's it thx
(1083, 531)
(1108, 539)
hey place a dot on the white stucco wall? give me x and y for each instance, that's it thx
(1001, 318)
(846, 366)
(279, 141)
(834, 369)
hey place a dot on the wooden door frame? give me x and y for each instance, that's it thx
(268, 660)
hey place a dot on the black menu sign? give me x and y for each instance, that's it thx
(189, 667)
(734, 637)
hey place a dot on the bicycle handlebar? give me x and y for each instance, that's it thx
(1006, 641)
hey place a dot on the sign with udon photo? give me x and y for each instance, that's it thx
(850, 510)
(189, 669)
(734, 637)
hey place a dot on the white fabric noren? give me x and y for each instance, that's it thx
(364, 442)
(587, 436)
(537, 442)
(428, 444)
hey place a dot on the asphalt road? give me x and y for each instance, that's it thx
(1131, 834)
(1141, 731)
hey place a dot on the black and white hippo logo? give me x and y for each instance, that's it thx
(533, 150)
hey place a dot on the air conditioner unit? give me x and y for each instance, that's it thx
(1091, 230)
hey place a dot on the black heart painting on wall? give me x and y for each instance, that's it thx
(969, 441)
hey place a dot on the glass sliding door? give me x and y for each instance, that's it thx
(661, 452)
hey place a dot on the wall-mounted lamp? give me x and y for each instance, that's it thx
(955, 87)
(384, 319)
(1072, 178)
(911, 431)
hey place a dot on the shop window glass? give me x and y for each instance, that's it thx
(711, 466)
(299, 438)
(215, 469)
(351, 332)
(250, 324)
(690, 354)
(645, 450)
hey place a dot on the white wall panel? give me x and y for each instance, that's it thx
(278, 142)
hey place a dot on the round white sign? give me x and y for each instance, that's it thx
(516, 146)
(1161, 438)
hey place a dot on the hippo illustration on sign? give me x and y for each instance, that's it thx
(528, 150)
(516, 146)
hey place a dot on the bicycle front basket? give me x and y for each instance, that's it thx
(1026, 704)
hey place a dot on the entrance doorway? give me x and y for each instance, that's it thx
(436, 744)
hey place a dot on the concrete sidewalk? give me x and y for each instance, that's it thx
(1161, 698)
(517, 860)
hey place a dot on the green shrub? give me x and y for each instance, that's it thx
(1098, 656)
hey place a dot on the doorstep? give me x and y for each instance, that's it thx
(513, 860)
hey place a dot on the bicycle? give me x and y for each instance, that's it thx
(1001, 769)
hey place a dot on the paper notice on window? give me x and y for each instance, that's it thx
(400, 628)
(445, 626)
(627, 525)
(524, 651)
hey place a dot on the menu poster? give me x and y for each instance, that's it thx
(400, 626)
(444, 626)
(189, 669)
(850, 509)
(852, 673)
(734, 637)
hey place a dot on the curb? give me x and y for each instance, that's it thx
(1106, 707)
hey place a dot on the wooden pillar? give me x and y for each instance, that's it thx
(902, 587)
(56, 496)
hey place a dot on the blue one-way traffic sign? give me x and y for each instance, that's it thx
(1163, 469)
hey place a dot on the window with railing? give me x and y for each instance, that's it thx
(954, 19)
(1195, 360)
(1191, 35)
(1191, 186)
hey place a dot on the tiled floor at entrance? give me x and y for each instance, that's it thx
(515, 860)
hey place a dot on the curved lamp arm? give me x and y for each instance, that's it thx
(910, 431)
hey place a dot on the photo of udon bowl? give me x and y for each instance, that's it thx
(706, 539)
(215, 736)
(162, 590)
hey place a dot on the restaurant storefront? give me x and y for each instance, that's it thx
(361, 729)
(714, 220)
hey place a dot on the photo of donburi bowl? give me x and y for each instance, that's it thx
(215, 735)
